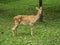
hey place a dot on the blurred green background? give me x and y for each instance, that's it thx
(45, 33)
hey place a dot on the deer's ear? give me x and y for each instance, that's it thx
(37, 8)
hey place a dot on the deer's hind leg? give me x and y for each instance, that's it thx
(15, 27)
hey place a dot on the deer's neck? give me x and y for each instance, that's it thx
(38, 16)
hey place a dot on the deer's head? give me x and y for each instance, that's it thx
(39, 10)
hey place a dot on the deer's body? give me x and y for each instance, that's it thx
(26, 19)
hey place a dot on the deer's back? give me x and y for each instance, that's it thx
(24, 19)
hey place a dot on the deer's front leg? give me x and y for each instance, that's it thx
(31, 29)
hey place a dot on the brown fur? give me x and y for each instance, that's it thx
(24, 19)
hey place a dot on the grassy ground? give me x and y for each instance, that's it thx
(45, 33)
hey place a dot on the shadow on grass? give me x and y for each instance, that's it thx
(51, 13)
(3, 10)
(24, 34)
(7, 1)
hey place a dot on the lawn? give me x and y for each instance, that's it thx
(45, 33)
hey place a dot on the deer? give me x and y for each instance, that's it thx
(26, 20)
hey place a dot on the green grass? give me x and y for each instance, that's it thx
(45, 33)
